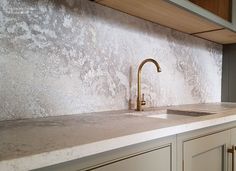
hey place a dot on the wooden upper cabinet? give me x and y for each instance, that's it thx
(164, 13)
(221, 8)
(223, 36)
(183, 16)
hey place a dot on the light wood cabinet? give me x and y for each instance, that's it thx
(223, 36)
(164, 13)
(222, 8)
(195, 17)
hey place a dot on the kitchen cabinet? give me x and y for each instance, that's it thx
(223, 36)
(149, 156)
(159, 159)
(185, 16)
(206, 153)
(233, 144)
(207, 149)
(222, 8)
(164, 13)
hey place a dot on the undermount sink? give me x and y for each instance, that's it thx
(170, 114)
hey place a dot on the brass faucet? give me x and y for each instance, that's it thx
(140, 100)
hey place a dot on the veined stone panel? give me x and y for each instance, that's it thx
(76, 56)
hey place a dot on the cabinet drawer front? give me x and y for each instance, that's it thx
(157, 160)
(206, 153)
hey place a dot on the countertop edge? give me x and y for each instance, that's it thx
(77, 152)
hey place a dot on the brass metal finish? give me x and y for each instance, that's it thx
(140, 100)
(232, 151)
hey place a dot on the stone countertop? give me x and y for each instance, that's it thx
(34, 143)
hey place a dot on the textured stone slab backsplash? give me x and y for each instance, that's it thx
(74, 56)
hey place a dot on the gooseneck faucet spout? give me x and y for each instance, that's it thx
(140, 99)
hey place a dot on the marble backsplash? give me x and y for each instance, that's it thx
(62, 57)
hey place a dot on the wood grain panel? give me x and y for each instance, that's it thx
(164, 13)
(222, 8)
(223, 36)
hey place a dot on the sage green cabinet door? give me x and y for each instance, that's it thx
(207, 153)
(157, 160)
(233, 142)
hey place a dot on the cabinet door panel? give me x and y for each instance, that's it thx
(198, 161)
(206, 153)
(157, 160)
(233, 142)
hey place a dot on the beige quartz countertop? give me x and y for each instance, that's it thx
(34, 143)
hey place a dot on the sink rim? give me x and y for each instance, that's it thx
(164, 113)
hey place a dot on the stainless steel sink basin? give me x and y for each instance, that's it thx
(170, 114)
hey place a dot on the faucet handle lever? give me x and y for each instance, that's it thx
(143, 102)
